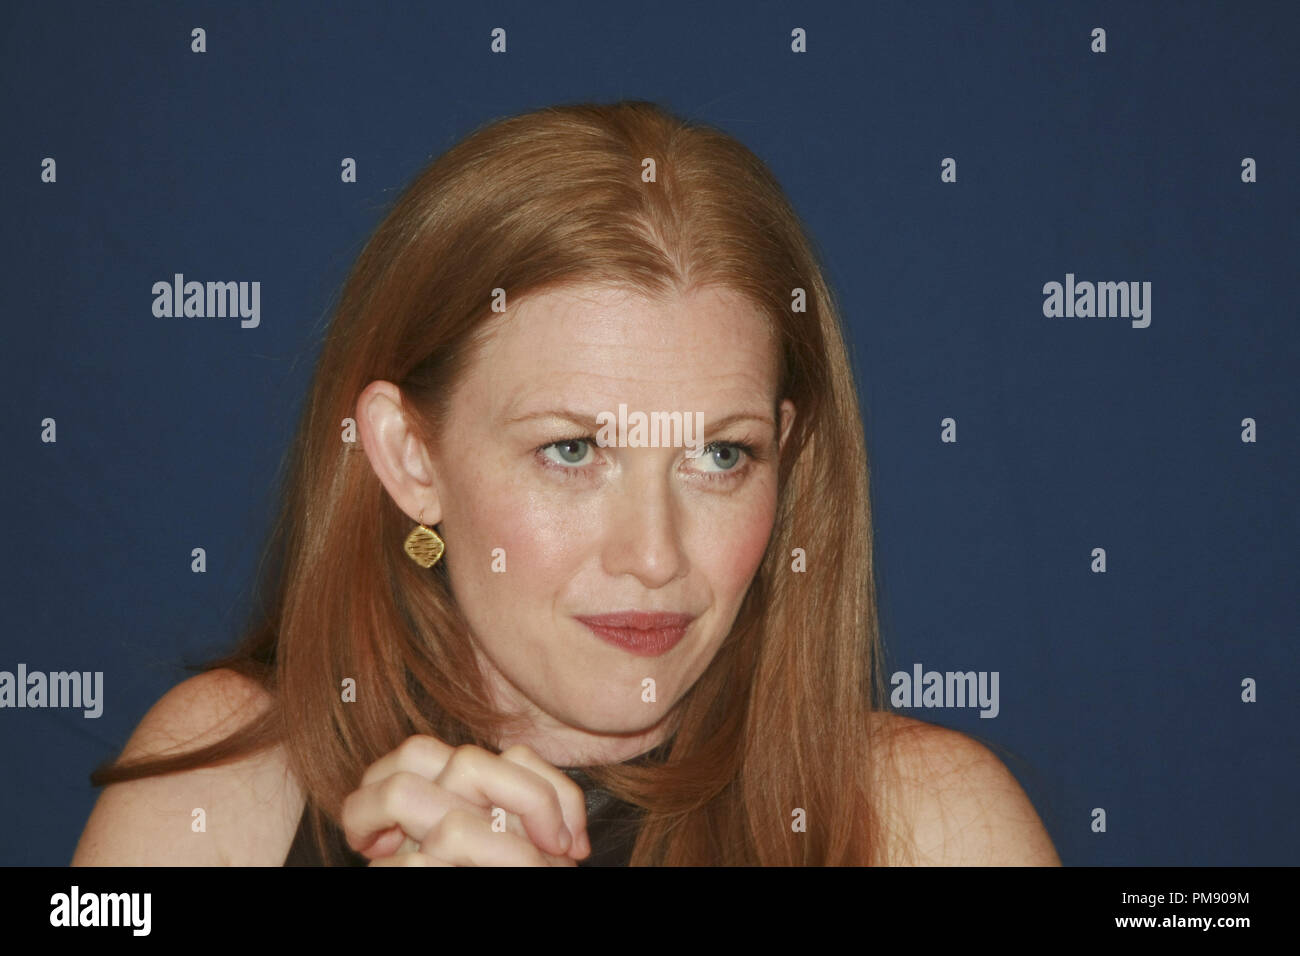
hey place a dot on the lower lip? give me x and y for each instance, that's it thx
(650, 643)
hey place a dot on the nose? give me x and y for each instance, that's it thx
(643, 534)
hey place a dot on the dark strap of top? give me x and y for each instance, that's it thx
(612, 827)
(303, 851)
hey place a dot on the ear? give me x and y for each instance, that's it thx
(398, 456)
(787, 419)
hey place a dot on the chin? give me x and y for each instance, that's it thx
(620, 720)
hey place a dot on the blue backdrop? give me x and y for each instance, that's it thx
(950, 159)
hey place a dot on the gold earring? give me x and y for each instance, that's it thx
(423, 545)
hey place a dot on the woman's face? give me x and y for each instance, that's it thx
(544, 525)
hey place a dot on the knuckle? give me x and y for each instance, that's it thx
(418, 747)
(519, 750)
(397, 792)
(450, 832)
(464, 759)
(459, 823)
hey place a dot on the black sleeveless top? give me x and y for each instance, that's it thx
(612, 826)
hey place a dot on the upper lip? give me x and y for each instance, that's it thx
(638, 620)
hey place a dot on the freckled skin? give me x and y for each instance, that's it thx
(623, 528)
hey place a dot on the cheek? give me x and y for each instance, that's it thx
(534, 535)
(732, 553)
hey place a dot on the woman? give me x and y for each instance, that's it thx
(506, 610)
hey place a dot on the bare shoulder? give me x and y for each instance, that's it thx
(955, 803)
(250, 805)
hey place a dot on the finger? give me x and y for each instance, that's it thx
(408, 859)
(572, 801)
(466, 839)
(428, 756)
(515, 826)
(390, 841)
(418, 753)
(406, 801)
(486, 779)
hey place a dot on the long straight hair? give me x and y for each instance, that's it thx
(773, 760)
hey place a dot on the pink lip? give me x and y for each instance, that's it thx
(637, 632)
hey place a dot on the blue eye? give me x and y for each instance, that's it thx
(726, 455)
(730, 450)
(566, 449)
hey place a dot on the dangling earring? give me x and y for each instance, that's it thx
(423, 545)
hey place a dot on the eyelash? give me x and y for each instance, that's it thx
(570, 472)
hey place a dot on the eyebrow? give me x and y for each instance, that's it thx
(589, 421)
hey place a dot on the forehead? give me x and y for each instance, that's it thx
(606, 343)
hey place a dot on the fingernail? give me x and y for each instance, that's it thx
(566, 839)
